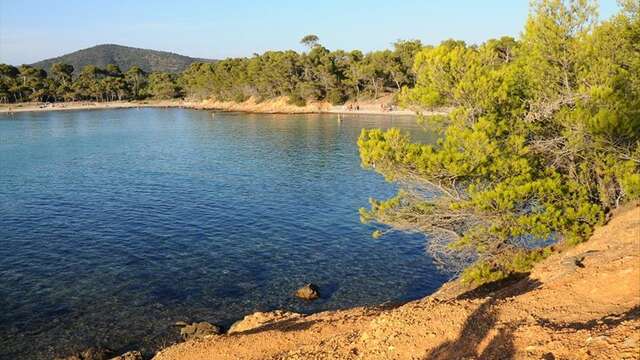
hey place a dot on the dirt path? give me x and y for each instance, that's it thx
(581, 304)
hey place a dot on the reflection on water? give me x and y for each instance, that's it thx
(115, 224)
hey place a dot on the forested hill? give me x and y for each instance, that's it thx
(123, 56)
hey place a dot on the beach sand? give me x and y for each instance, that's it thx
(273, 106)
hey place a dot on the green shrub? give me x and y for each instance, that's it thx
(542, 139)
(297, 100)
(336, 97)
(482, 273)
(239, 97)
(519, 262)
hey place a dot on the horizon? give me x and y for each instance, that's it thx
(201, 30)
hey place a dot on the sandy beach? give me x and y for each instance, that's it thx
(275, 106)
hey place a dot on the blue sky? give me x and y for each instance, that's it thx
(35, 30)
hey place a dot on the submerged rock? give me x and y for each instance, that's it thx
(308, 292)
(199, 329)
(93, 353)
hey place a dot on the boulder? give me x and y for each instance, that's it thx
(199, 329)
(308, 292)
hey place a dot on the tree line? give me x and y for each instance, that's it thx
(318, 74)
(27, 83)
(541, 144)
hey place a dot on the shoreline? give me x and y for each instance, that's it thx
(560, 310)
(274, 106)
(572, 289)
(519, 318)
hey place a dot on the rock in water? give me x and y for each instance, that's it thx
(308, 292)
(93, 353)
(199, 329)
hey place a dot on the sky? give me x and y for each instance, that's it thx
(35, 30)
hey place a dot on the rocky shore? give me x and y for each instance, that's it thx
(583, 303)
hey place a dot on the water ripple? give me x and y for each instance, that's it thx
(114, 224)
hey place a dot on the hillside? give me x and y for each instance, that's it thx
(124, 57)
(580, 304)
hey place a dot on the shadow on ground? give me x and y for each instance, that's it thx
(483, 320)
(609, 321)
(293, 324)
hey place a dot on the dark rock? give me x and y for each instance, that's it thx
(94, 353)
(97, 353)
(308, 292)
(199, 329)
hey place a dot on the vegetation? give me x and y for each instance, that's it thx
(318, 74)
(124, 57)
(26, 83)
(542, 142)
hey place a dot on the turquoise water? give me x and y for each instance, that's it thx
(114, 224)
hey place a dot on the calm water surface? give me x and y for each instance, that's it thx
(114, 224)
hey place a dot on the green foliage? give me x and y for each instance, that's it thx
(124, 57)
(92, 83)
(62, 72)
(93, 74)
(336, 96)
(542, 140)
(297, 100)
(519, 262)
(523, 261)
(480, 273)
(163, 86)
(310, 40)
(136, 80)
(319, 74)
